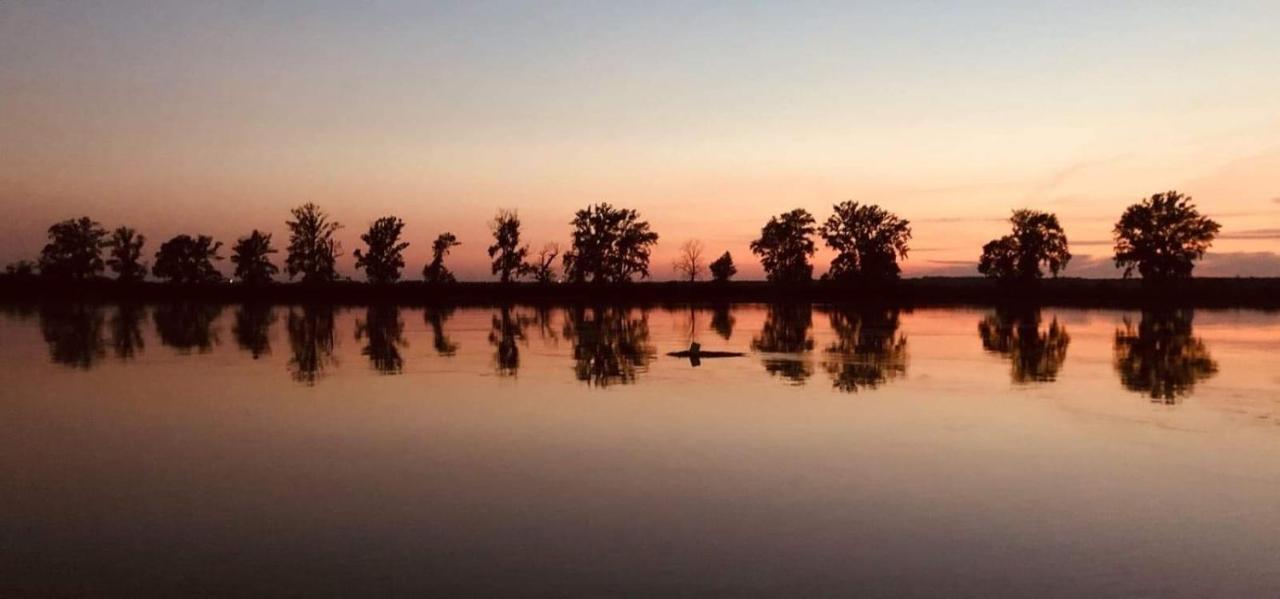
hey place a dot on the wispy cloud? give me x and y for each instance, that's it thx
(1251, 234)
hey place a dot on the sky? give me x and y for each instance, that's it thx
(707, 117)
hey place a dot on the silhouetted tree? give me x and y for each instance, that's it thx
(252, 257)
(506, 252)
(252, 328)
(543, 270)
(384, 330)
(1037, 239)
(1162, 237)
(186, 259)
(24, 269)
(689, 263)
(383, 261)
(609, 245)
(722, 320)
(126, 254)
(868, 241)
(1035, 355)
(313, 252)
(868, 350)
(311, 339)
(435, 271)
(506, 332)
(1162, 357)
(609, 345)
(73, 332)
(187, 326)
(74, 250)
(785, 245)
(722, 268)
(785, 334)
(126, 330)
(435, 317)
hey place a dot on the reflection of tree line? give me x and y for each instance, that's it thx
(1159, 356)
(1035, 352)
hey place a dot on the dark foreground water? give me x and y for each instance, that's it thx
(346, 451)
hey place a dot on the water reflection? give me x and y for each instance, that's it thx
(73, 333)
(609, 345)
(384, 331)
(126, 331)
(187, 326)
(786, 331)
(868, 350)
(506, 333)
(1162, 357)
(1036, 353)
(252, 328)
(311, 339)
(435, 317)
(722, 320)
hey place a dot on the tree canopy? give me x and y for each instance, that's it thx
(610, 245)
(74, 249)
(1037, 240)
(385, 257)
(251, 255)
(722, 268)
(784, 246)
(506, 252)
(187, 259)
(1162, 236)
(313, 252)
(868, 241)
(125, 259)
(435, 271)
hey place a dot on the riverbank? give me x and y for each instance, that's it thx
(927, 291)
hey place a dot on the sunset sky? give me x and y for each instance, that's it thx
(217, 117)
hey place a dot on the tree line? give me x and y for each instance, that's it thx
(1160, 238)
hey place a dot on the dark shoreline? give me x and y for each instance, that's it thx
(928, 291)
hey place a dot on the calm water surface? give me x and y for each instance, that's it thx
(336, 451)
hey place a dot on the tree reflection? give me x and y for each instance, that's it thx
(722, 320)
(1036, 354)
(868, 350)
(1162, 357)
(435, 317)
(74, 333)
(786, 331)
(187, 326)
(126, 331)
(252, 328)
(506, 333)
(609, 346)
(384, 330)
(311, 339)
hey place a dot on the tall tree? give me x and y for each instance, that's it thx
(435, 271)
(1162, 236)
(313, 252)
(74, 249)
(252, 257)
(187, 259)
(785, 245)
(1037, 240)
(126, 254)
(385, 258)
(610, 245)
(722, 268)
(689, 263)
(506, 252)
(868, 241)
